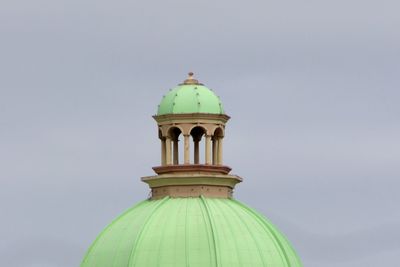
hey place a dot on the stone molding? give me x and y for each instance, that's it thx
(192, 179)
(197, 168)
(191, 191)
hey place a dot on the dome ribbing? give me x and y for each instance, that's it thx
(190, 98)
(190, 232)
(191, 218)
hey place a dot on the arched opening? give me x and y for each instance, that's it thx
(217, 146)
(197, 136)
(174, 134)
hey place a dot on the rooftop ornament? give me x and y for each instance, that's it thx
(191, 80)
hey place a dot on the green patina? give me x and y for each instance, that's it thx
(194, 232)
(190, 98)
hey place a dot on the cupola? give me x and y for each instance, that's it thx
(191, 113)
(191, 218)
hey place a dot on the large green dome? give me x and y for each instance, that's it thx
(190, 98)
(194, 231)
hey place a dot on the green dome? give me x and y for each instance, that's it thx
(190, 98)
(191, 232)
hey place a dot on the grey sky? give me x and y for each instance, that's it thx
(312, 88)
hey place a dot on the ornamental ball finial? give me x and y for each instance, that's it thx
(191, 80)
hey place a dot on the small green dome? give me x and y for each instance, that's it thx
(190, 98)
(196, 232)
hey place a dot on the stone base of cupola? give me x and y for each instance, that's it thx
(192, 185)
(191, 191)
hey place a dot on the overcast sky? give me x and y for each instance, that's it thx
(313, 89)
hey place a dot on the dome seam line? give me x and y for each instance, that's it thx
(108, 228)
(173, 101)
(249, 230)
(186, 235)
(119, 245)
(209, 217)
(138, 239)
(271, 230)
(198, 102)
(221, 210)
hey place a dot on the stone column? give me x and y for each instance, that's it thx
(176, 151)
(214, 151)
(196, 151)
(187, 149)
(208, 149)
(220, 151)
(168, 151)
(163, 158)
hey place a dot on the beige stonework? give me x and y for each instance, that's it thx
(186, 149)
(211, 127)
(191, 191)
(168, 151)
(191, 184)
(207, 177)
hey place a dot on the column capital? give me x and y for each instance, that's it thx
(196, 139)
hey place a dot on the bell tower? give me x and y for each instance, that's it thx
(191, 113)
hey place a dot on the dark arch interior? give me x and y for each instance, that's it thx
(197, 136)
(174, 133)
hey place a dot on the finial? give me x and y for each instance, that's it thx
(191, 80)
